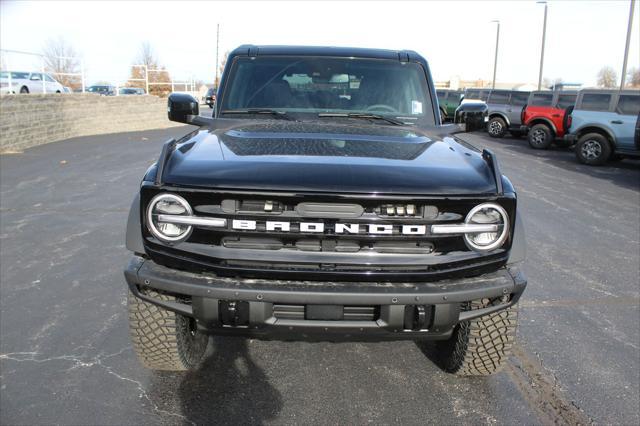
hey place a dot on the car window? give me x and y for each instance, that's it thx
(472, 94)
(566, 100)
(519, 98)
(49, 79)
(484, 95)
(313, 85)
(36, 77)
(499, 97)
(16, 75)
(541, 99)
(595, 101)
(628, 105)
(441, 94)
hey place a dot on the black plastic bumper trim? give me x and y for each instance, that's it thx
(143, 273)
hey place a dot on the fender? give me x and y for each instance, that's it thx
(519, 245)
(501, 115)
(134, 230)
(587, 128)
(545, 120)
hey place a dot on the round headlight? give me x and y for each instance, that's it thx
(487, 214)
(168, 205)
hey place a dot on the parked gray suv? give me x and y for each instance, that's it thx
(604, 125)
(505, 112)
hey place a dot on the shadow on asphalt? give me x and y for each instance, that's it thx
(228, 388)
(623, 173)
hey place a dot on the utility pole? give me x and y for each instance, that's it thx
(217, 45)
(544, 34)
(495, 61)
(626, 47)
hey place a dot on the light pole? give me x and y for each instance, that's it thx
(544, 34)
(495, 61)
(215, 83)
(626, 47)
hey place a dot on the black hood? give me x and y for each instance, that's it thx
(354, 157)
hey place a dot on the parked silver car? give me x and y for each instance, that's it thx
(28, 82)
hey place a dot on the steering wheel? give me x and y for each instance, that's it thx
(383, 107)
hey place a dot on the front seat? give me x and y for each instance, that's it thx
(275, 95)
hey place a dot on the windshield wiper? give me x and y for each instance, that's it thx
(266, 111)
(365, 116)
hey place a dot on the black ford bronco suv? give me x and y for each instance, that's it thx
(324, 201)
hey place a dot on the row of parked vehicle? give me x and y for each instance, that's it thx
(39, 82)
(602, 124)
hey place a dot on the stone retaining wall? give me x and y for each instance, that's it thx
(36, 119)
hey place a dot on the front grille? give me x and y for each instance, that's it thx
(328, 245)
(348, 313)
(340, 234)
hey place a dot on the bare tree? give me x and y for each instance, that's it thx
(607, 77)
(146, 55)
(60, 58)
(223, 63)
(633, 77)
(151, 70)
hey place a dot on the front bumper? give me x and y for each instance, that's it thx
(311, 310)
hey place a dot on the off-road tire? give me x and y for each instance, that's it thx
(481, 346)
(496, 127)
(593, 149)
(24, 89)
(540, 136)
(162, 339)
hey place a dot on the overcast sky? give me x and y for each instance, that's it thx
(457, 38)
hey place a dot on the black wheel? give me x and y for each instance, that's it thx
(481, 346)
(593, 149)
(162, 339)
(540, 136)
(24, 89)
(496, 127)
(57, 91)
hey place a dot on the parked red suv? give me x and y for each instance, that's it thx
(547, 116)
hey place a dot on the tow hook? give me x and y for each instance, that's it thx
(417, 317)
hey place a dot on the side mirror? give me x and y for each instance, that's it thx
(182, 108)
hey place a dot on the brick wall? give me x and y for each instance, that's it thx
(31, 120)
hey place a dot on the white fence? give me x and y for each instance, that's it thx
(15, 60)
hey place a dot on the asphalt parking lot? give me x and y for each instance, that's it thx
(65, 355)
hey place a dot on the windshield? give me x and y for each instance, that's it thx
(315, 85)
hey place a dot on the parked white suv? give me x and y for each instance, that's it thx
(28, 82)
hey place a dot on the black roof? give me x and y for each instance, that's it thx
(359, 52)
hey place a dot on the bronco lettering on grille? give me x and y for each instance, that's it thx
(339, 228)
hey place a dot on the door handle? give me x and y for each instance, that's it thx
(616, 121)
